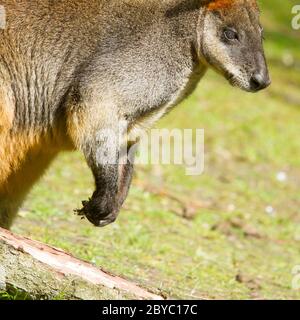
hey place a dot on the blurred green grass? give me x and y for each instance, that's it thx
(245, 240)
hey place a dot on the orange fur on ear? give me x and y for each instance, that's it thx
(220, 4)
(223, 4)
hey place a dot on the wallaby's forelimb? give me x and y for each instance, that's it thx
(98, 138)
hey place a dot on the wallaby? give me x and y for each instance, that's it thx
(69, 68)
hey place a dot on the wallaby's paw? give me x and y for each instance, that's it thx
(96, 214)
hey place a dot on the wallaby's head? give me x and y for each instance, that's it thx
(231, 42)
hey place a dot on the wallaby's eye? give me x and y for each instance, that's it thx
(231, 34)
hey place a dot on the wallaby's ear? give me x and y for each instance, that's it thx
(186, 5)
(223, 4)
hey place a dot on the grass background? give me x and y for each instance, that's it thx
(231, 233)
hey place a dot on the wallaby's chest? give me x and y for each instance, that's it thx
(146, 116)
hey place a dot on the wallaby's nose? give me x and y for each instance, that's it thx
(259, 81)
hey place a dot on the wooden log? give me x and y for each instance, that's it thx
(44, 272)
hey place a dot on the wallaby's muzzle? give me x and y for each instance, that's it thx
(260, 78)
(259, 81)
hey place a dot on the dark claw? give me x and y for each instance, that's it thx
(80, 212)
(84, 203)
